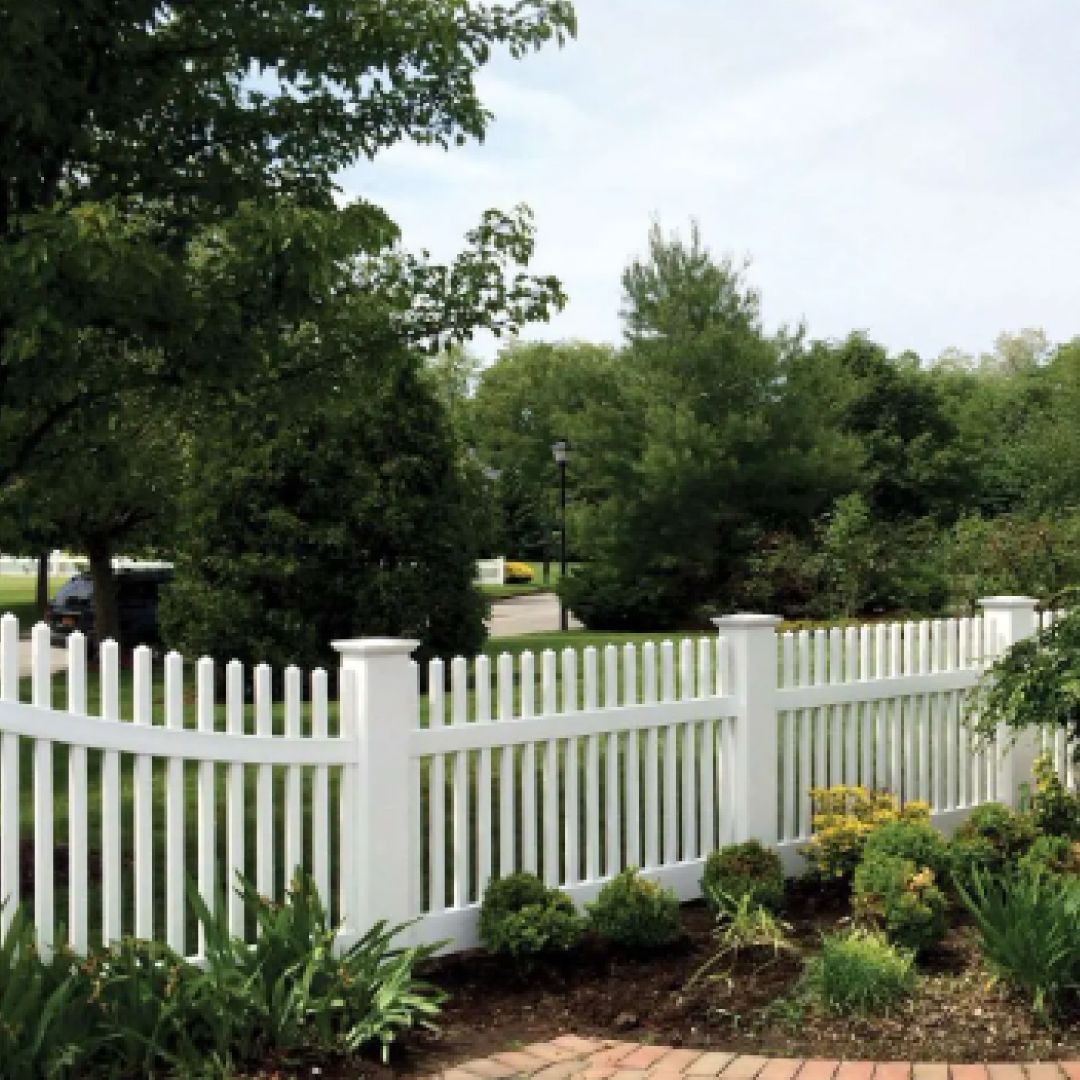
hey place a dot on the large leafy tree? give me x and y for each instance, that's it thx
(167, 182)
(170, 225)
(712, 456)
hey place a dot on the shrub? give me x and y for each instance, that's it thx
(860, 972)
(1027, 929)
(843, 819)
(918, 841)
(1052, 854)
(900, 897)
(635, 913)
(991, 840)
(1056, 810)
(746, 869)
(521, 917)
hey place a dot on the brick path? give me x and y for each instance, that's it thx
(603, 1059)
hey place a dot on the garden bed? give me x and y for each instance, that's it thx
(956, 1014)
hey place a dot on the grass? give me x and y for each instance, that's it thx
(17, 595)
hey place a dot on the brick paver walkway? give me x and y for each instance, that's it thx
(603, 1059)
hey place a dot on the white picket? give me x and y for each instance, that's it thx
(436, 791)
(111, 868)
(78, 810)
(507, 824)
(264, 786)
(482, 673)
(571, 802)
(459, 715)
(142, 689)
(41, 696)
(550, 833)
(174, 808)
(632, 761)
(205, 810)
(612, 806)
(234, 805)
(592, 769)
(707, 805)
(530, 851)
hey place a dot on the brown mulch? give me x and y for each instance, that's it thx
(957, 1014)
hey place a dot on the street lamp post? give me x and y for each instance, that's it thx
(561, 450)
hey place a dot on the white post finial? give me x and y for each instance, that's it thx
(1010, 619)
(751, 642)
(376, 790)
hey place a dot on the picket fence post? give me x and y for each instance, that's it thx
(375, 792)
(751, 641)
(1010, 619)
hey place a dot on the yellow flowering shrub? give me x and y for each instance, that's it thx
(843, 817)
(517, 573)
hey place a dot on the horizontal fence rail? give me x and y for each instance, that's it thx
(404, 791)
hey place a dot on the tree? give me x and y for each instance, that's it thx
(349, 513)
(167, 182)
(533, 394)
(711, 456)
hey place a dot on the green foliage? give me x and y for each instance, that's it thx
(748, 869)
(843, 819)
(1052, 854)
(348, 518)
(918, 841)
(744, 927)
(990, 841)
(901, 898)
(1027, 932)
(45, 1029)
(135, 1008)
(520, 917)
(860, 972)
(635, 913)
(1056, 810)
(1036, 682)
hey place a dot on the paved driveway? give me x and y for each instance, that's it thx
(534, 613)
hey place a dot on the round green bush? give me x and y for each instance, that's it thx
(747, 869)
(521, 917)
(918, 841)
(991, 841)
(901, 898)
(860, 971)
(1052, 854)
(635, 913)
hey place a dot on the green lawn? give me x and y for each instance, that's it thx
(17, 596)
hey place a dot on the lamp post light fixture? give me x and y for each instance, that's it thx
(560, 449)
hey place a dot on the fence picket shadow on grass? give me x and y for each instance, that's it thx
(115, 787)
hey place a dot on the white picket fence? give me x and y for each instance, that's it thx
(571, 766)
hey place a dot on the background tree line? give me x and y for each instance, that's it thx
(719, 466)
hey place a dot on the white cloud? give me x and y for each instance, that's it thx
(903, 166)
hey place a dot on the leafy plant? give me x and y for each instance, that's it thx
(743, 926)
(1027, 931)
(292, 990)
(918, 841)
(746, 869)
(843, 819)
(1053, 854)
(991, 840)
(861, 972)
(44, 1023)
(635, 913)
(1056, 810)
(901, 898)
(1037, 681)
(521, 917)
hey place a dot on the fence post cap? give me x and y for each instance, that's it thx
(993, 602)
(366, 648)
(744, 619)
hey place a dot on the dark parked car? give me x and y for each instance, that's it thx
(137, 594)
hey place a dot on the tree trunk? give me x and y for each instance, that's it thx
(106, 603)
(42, 598)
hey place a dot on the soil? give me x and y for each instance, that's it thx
(957, 1014)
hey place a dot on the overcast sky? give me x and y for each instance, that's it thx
(906, 167)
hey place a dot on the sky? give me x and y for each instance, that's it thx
(909, 168)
